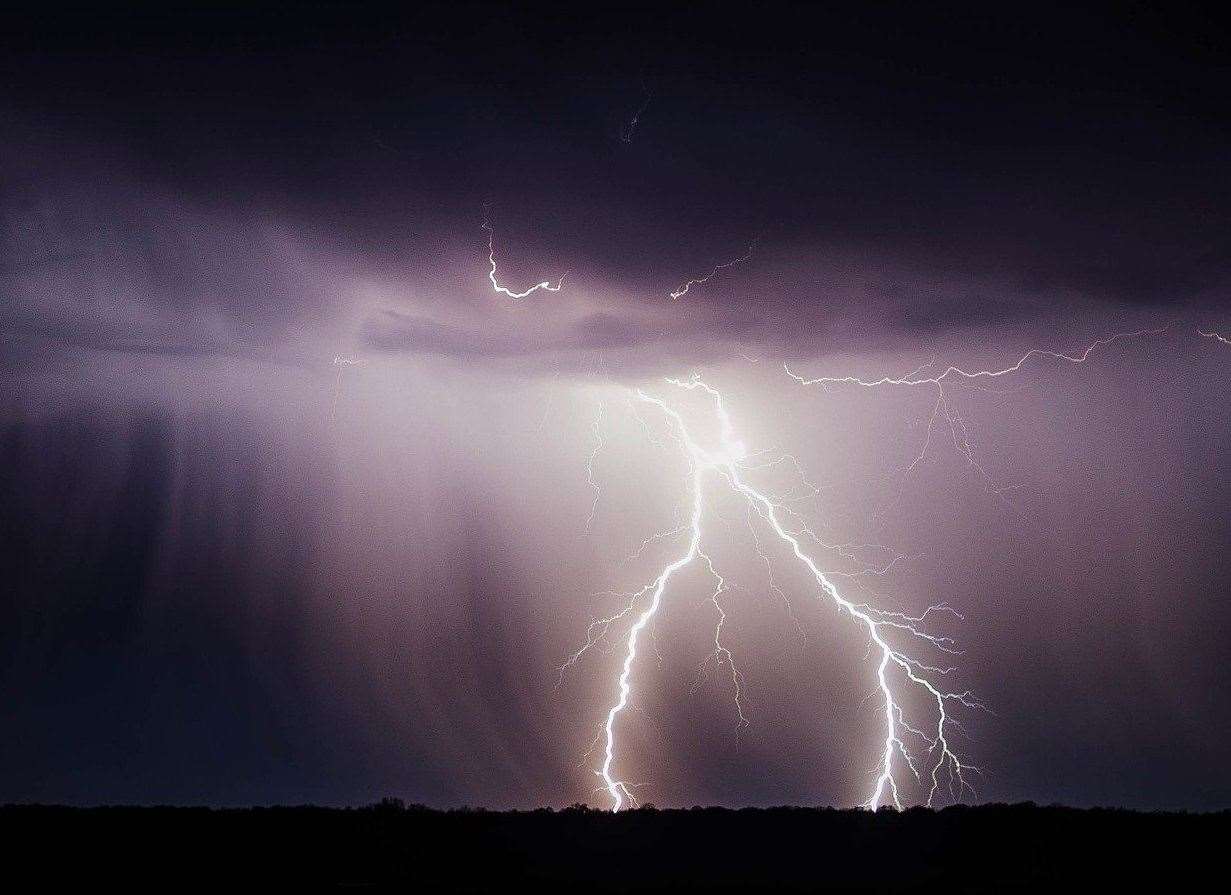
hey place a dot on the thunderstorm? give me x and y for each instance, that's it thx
(608, 448)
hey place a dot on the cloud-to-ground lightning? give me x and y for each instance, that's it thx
(544, 286)
(617, 789)
(682, 290)
(896, 669)
(906, 673)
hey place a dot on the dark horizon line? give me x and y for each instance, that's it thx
(397, 805)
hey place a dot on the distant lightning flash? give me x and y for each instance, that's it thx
(597, 429)
(895, 669)
(339, 362)
(1218, 337)
(627, 131)
(545, 285)
(682, 290)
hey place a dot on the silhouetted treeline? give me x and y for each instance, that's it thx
(960, 849)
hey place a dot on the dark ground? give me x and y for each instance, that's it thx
(989, 848)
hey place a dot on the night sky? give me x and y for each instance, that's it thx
(295, 507)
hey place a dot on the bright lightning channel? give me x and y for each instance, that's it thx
(544, 286)
(1218, 337)
(726, 464)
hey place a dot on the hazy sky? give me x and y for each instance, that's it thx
(295, 507)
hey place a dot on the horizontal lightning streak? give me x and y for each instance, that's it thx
(958, 372)
(958, 432)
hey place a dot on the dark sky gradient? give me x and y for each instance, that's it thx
(236, 573)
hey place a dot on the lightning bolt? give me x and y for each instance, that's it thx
(680, 291)
(545, 286)
(902, 646)
(899, 673)
(896, 670)
(618, 790)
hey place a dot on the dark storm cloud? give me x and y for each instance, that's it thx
(94, 258)
(799, 309)
(1094, 169)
